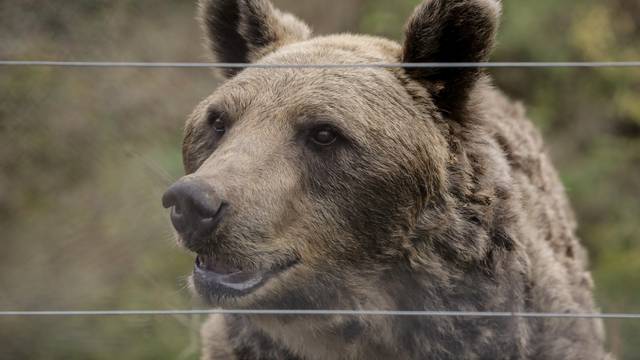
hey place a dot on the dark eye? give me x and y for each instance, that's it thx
(324, 136)
(219, 125)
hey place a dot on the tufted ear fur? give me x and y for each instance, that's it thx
(242, 31)
(450, 31)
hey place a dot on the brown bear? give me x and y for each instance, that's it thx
(375, 188)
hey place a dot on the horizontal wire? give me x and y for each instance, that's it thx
(322, 312)
(575, 64)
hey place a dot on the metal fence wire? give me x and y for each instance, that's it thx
(288, 312)
(292, 312)
(513, 64)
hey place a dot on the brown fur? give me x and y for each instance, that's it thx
(437, 195)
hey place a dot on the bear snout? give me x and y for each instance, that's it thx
(196, 211)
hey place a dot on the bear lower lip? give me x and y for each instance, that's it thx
(217, 278)
(223, 277)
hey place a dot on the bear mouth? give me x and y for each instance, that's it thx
(216, 278)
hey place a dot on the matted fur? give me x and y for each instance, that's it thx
(437, 195)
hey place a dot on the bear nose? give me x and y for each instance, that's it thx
(196, 209)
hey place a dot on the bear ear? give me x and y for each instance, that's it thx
(450, 31)
(242, 31)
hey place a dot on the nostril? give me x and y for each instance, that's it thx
(178, 219)
(176, 211)
(206, 224)
(195, 207)
(205, 208)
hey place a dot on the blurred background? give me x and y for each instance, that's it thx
(85, 155)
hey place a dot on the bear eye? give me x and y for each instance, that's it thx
(219, 126)
(324, 136)
(218, 122)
